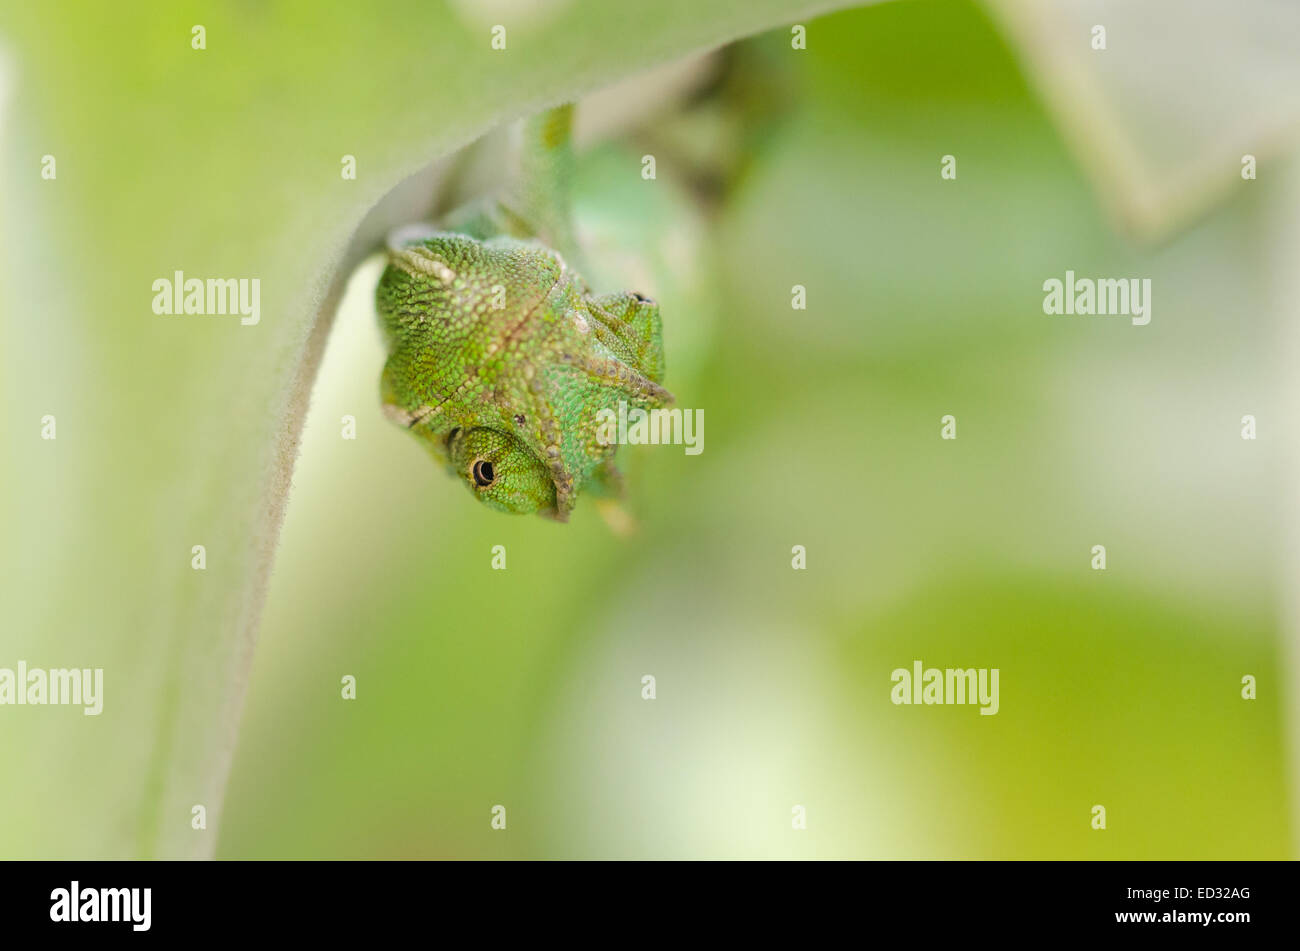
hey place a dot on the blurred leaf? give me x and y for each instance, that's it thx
(1163, 115)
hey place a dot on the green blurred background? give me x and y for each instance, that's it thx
(522, 687)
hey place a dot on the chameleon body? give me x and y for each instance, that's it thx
(501, 358)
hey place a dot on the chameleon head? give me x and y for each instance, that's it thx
(504, 363)
(501, 471)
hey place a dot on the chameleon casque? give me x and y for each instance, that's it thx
(500, 355)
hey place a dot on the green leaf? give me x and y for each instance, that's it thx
(178, 431)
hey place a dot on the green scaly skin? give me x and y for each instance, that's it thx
(501, 357)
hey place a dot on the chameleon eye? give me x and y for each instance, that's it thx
(484, 474)
(501, 471)
(642, 298)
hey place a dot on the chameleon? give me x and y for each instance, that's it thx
(501, 358)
